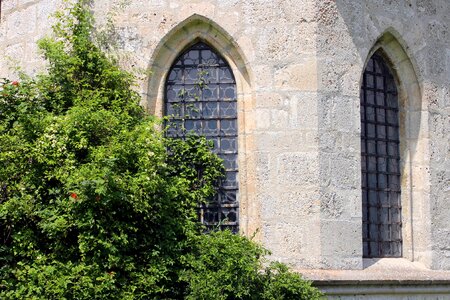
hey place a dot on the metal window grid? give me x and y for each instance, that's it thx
(380, 162)
(200, 98)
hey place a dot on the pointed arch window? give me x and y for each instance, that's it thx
(380, 161)
(201, 98)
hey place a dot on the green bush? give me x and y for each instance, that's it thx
(96, 203)
(225, 266)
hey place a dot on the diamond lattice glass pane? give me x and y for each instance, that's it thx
(210, 110)
(228, 127)
(200, 98)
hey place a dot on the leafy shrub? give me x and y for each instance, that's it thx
(227, 266)
(96, 203)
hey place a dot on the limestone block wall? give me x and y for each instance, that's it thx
(298, 66)
(22, 24)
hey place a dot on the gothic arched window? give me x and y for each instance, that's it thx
(200, 98)
(380, 161)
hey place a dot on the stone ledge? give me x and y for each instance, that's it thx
(385, 291)
(375, 283)
(382, 279)
(381, 271)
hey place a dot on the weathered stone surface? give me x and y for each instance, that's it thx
(298, 67)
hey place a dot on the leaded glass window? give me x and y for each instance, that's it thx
(200, 98)
(380, 161)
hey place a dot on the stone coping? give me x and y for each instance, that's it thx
(386, 271)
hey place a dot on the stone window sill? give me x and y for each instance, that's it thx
(380, 271)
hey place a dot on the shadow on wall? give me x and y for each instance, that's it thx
(348, 35)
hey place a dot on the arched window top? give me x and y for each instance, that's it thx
(377, 68)
(380, 161)
(200, 62)
(201, 98)
(200, 55)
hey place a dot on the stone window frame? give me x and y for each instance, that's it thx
(414, 143)
(192, 30)
(192, 108)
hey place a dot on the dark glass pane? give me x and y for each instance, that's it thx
(210, 110)
(385, 249)
(371, 131)
(228, 127)
(373, 181)
(392, 100)
(210, 128)
(229, 161)
(192, 125)
(379, 84)
(396, 230)
(374, 249)
(382, 181)
(384, 218)
(370, 97)
(228, 109)
(176, 75)
(230, 179)
(393, 165)
(228, 215)
(370, 81)
(370, 113)
(378, 66)
(373, 200)
(225, 75)
(211, 93)
(393, 149)
(372, 167)
(381, 115)
(211, 215)
(395, 216)
(381, 147)
(381, 132)
(200, 98)
(380, 159)
(384, 232)
(392, 117)
(379, 98)
(392, 133)
(229, 197)
(191, 57)
(394, 199)
(381, 164)
(384, 199)
(371, 146)
(227, 92)
(209, 57)
(228, 145)
(209, 74)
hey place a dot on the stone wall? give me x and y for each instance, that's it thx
(298, 66)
